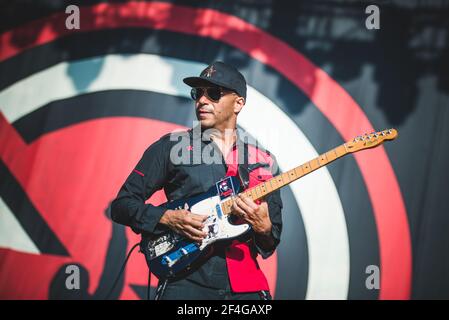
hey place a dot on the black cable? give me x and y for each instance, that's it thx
(121, 270)
(149, 284)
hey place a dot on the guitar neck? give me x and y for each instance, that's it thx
(279, 181)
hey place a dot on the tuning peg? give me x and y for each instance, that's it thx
(389, 131)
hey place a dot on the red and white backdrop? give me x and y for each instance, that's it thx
(79, 107)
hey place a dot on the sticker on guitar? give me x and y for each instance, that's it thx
(225, 188)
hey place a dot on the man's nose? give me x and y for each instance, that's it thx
(203, 100)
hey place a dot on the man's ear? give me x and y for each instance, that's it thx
(239, 103)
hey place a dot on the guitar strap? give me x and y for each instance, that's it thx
(244, 169)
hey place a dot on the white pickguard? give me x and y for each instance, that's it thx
(216, 227)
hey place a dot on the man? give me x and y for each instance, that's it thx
(229, 270)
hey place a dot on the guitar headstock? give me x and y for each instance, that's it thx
(371, 140)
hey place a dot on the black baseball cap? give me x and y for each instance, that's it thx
(220, 74)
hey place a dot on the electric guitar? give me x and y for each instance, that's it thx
(170, 253)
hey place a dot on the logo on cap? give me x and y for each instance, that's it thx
(210, 71)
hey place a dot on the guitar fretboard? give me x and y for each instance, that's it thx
(279, 181)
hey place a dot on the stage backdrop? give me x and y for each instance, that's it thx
(79, 104)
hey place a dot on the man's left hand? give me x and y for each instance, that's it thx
(254, 214)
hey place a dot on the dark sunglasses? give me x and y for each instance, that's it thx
(213, 93)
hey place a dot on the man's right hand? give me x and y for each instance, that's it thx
(186, 223)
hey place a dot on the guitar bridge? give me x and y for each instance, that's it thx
(179, 254)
